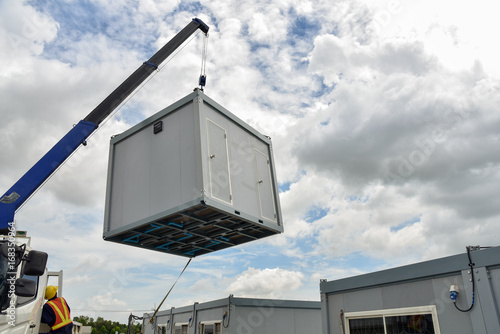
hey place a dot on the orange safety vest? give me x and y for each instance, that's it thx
(61, 311)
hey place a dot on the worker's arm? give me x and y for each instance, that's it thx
(48, 315)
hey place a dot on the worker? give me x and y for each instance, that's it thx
(56, 312)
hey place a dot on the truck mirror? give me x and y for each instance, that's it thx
(4, 250)
(25, 287)
(35, 264)
(9, 249)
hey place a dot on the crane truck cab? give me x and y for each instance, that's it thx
(23, 279)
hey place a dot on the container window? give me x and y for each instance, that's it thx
(367, 325)
(162, 329)
(393, 321)
(210, 328)
(419, 323)
(181, 329)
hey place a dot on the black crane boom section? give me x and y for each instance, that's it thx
(114, 99)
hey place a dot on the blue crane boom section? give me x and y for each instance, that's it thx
(34, 178)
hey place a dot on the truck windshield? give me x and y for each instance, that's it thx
(4, 287)
(24, 300)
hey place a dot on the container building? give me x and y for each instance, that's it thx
(416, 298)
(234, 315)
(190, 180)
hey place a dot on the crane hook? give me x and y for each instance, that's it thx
(203, 76)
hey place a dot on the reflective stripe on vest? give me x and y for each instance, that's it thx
(62, 319)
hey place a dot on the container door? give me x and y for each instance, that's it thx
(265, 186)
(220, 181)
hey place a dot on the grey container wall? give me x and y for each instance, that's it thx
(191, 179)
(424, 285)
(235, 315)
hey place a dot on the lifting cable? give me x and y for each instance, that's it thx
(203, 73)
(158, 308)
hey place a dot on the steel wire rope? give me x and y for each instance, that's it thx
(109, 117)
(203, 72)
(158, 308)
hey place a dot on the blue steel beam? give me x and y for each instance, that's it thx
(42, 170)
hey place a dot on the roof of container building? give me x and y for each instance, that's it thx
(242, 302)
(446, 266)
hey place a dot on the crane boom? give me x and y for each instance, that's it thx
(34, 178)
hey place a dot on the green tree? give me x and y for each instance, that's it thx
(84, 320)
(103, 330)
(101, 326)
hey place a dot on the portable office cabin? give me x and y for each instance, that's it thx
(416, 298)
(234, 315)
(191, 179)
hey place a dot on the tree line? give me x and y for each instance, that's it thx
(101, 326)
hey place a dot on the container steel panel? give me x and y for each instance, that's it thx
(220, 179)
(264, 186)
(191, 179)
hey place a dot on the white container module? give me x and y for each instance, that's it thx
(190, 180)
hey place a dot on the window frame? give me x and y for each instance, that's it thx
(162, 328)
(383, 313)
(180, 325)
(201, 325)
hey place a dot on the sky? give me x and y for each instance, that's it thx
(383, 117)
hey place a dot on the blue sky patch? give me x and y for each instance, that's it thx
(76, 17)
(191, 7)
(130, 113)
(357, 198)
(267, 255)
(406, 224)
(303, 27)
(78, 20)
(315, 213)
(282, 187)
(362, 262)
(323, 89)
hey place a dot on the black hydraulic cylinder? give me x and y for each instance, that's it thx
(114, 99)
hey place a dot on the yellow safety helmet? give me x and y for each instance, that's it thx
(50, 292)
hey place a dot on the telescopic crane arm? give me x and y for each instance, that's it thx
(34, 178)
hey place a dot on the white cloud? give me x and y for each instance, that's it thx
(107, 300)
(335, 58)
(77, 279)
(266, 283)
(334, 273)
(23, 31)
(157, 8)
(452, 31)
